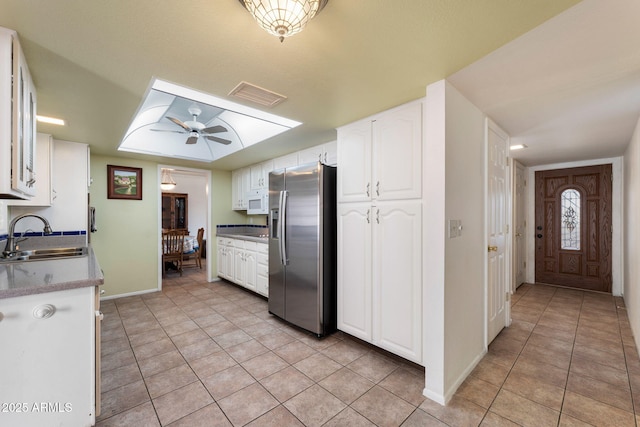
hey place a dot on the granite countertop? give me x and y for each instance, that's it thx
(251, 232)
(35, 277)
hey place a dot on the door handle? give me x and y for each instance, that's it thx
(518, 235)
(492, 249)
(539, 236)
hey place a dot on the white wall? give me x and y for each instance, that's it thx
(631, 243)
(69, 210)
(454, 286)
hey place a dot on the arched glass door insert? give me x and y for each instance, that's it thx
(570, 215)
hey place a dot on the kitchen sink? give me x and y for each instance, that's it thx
(46, 254)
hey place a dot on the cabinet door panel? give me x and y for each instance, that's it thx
(354, 269)
(354, 152)
(397, 286)
(397, 154)
(239, 270)
(251, 273)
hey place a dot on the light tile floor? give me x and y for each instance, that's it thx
(210, 354)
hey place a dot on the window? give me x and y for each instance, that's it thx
(570, 219)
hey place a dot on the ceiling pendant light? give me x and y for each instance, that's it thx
(283, 18)
(166, 180)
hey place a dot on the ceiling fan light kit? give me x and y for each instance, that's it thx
(283, 18)
(196, 129)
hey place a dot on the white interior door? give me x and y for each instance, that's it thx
(497, 229)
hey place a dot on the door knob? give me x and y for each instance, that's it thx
(492, 249)
(539, 236)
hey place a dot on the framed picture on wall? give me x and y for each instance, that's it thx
(124, 182)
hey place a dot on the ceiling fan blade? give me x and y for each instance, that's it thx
(216, 139)
(192, 140)
(214, 129)
(167, 130)
(179, 123)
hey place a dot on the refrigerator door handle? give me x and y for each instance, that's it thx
(283, 227)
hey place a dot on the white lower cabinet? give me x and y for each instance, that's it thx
(243, 262)
(262, 282)
(380, 274)
(225, 258)
(48, 359)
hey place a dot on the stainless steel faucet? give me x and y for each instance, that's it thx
(10, 248)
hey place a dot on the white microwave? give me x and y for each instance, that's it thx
(258, 202)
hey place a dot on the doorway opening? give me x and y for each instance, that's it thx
(186, 207)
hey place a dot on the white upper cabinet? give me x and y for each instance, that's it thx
(240, 180)
(354, 152)
(397, 153)
(323, 153)
(380, 157)
(259, 175)
(45, 192)
(286, 161)
(17, 120)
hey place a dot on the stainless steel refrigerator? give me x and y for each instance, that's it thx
(302, 246)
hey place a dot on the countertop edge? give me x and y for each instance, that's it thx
(94, 277)
(64, 286)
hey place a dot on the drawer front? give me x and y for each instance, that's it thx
(262, 270)
(263, 258)
(249, 245)
(237, 243)
(263, 248)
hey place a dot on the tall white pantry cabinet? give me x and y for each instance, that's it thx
(380, 230)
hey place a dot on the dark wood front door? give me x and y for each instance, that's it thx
(573, 227)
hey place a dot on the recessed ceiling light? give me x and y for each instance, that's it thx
(517, 147)
(50, 120)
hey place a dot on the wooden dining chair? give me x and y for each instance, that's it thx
(172, 250)
(196, 254)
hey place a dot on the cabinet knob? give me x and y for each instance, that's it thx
(44, 311)
(492, 249)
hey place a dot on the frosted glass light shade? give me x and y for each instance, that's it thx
(283, 18)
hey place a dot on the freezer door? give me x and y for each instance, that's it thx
(302, 238)
(276, 268)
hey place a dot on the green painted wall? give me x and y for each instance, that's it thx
(126, 242)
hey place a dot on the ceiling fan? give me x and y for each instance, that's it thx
(196, 129)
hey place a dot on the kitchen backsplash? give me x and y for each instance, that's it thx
(244, 229)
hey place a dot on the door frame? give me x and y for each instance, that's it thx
(208, 231)
(516, 217)
(617, 263)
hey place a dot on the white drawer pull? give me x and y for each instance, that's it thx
(44, 311)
